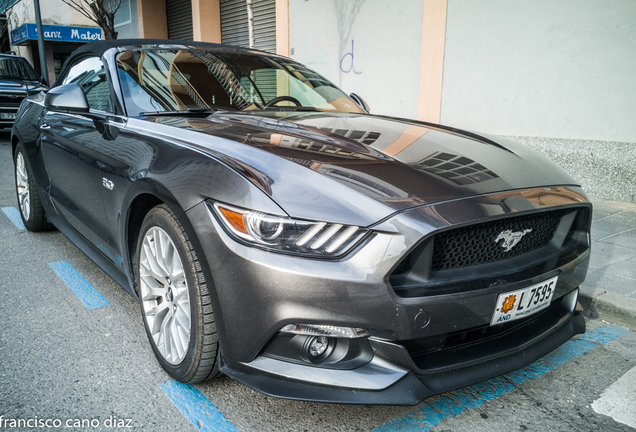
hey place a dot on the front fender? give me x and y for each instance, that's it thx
(181, 192)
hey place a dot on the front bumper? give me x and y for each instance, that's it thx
(409, 387)
(7, 116)
(258, 292)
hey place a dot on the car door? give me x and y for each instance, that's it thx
(71, 145)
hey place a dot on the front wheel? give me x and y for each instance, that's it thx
(29, 203)
(174, 297)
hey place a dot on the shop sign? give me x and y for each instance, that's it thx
(55, 33)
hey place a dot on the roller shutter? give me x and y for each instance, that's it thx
(234, 24)
(179, 15)
(265, 25)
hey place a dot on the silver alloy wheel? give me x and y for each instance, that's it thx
(22, 185)
(164, 294)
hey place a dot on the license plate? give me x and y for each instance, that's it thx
(524, 302)
(7, 116)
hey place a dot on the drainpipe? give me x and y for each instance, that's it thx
(250, 22)
(38, 24)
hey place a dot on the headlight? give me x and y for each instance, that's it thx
(289, 235)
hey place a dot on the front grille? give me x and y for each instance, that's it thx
(467, 258)
(475, 244)
(6, 101)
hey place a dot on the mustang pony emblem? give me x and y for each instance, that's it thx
(510, 239)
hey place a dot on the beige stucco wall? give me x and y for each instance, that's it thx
(151, 15)
(206, 20)
(53, 12)
(282, 27)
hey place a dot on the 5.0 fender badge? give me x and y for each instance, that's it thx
(107, 183)
(510, 239)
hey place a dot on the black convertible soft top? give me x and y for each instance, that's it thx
(98, 48)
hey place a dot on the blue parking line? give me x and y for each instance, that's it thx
(14, 216)
(195, 407)
(431, 414)
(80, 286)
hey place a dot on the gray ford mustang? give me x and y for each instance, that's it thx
(274, 230)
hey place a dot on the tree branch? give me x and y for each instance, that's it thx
(101, 12)
(80, 8)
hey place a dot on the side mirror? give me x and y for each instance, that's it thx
(67, 98)
(361, 102)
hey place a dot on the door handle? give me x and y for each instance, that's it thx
(44, 126)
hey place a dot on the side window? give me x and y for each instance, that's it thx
(91, 75)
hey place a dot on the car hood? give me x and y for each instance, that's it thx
(360, 168)
(19, 84)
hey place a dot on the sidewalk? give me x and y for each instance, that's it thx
(609, 291)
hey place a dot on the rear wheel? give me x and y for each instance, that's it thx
(175, 301)
(29, 203)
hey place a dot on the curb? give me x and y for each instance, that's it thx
(607, 305)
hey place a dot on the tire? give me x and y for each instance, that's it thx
(163, 249)
(29, 202)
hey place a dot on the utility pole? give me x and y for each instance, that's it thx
(38, 24)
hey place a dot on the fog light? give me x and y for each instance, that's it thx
(318, 346)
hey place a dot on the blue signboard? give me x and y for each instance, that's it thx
(55, 33)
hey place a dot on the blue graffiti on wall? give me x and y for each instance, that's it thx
(322, 65)
(351, 65)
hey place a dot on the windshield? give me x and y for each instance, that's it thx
(178, 80)
(16, 68)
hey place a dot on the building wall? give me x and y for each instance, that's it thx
(53, 12)
(545, 68)
(561, 69)
(370, 47)
(17, 15)
(151, 18)
(56, 12)
(131, 30)
(206, 21)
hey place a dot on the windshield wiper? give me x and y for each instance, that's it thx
(293, 108)
(181, 112)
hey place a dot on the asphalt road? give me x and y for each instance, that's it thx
(92, 369)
